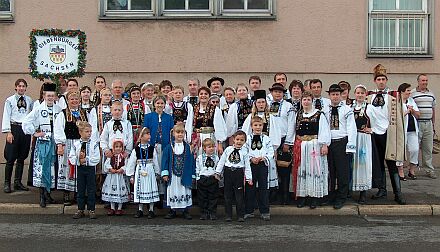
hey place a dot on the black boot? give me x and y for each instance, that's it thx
(382, 193)
(49, 199)
(66, 198)
(395, 182)
(18, 186)
(362, 198)
(301, 202)
(313, 202)
(8, 175)
(42, 197)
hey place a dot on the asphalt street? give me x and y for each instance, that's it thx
(305, 233)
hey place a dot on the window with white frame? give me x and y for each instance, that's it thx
(399, 27)
(186, 8)
(6, 9)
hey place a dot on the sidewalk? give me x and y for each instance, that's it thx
(422, 196)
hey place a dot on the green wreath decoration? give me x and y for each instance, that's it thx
(57, 32)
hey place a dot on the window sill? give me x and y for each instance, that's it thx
(6, 18)
(412, 56)
(184, 17)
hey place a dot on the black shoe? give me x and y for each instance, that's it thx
(187, 216)
(151, 215)
(301, 202)
(204, 216)
(412, 176)
(213, 216)
(170, 215)
(362, 198)
(313, 203)
(382, 193)
(139, 214)
(66, 199)
(18, 186)
(228, 219)
(338, 205)
(49, 199)
(42, 198)
(7, 187)
(399, 199)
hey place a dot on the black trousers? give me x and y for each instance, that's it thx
(381, 146)
(234, 186)
(339, 170)
(284, 172)
(207, 188)
(259, 175)
(18, 151)
(86, 181)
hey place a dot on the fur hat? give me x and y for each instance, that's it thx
(380, 70)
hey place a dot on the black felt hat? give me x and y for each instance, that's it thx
(259, 94)
(215, 79)
(49, 87)
(277, 86)
(335, 88)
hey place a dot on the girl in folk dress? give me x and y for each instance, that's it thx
(102, 114)
(178, 171)
(115, 189)
(143, 167)
(40, 124)
(136, 111)
(86, 103)
(239, 110)
(363, 158)
(310, 168)
(65, 132)
(208, 123)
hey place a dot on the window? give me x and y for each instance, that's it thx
(247, 7)
(399, 27)
(6, 10)
(128, 8)
(156, 9)
(186, 8)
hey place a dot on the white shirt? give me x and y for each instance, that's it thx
(39, 119)
(285, 120)
(324, 134)
(11, 113)
(108, 135)
(267, 151)
(412, 103)
(132, 161)
(380, 121)
(93, 154)
(347, 125)
(243, 164)
(201, 169)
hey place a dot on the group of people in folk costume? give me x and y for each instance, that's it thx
(153, 144)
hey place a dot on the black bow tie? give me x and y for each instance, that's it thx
(335, 110)
(83, 146)
(379, 100)
(256, 142)
(318, 104)
(117, 126)
(209, 163)
(274, 107)
(21, 103)
(234, 157)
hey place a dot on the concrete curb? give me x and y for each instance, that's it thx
(13, 208)
(407, 210)
(348, 210)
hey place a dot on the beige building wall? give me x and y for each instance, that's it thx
(308, 39)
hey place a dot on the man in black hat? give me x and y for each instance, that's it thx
(17, 145)
(284, 117)
(215, 84)
(343, 131)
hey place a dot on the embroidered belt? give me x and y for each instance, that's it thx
(205, 130)
(234, 168)
(144, 162)
(307, 137)
(16, 123)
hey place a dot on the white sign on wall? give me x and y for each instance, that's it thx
(56, 54)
